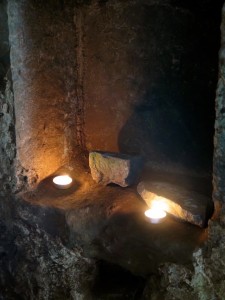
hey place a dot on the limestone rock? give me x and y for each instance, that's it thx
(183, 204)
(115, 168)
(199, 280)
(38, 264)
(7, 140)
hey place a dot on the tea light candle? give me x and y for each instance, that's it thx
(62, 181)
(155, 215)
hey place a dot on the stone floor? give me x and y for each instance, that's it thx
(108, 223)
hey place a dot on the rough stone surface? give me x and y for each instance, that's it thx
(51, 239)
(4, 44)
(135, 98)
(108, 223)
(37, 264)
(117, 168)
(7, 122)
(7, 140)
(202, 280)
(182, 203)
(219, 138)
(149, 84)
(47, 80)
(28, 250)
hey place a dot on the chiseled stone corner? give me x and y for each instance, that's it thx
(117, 168)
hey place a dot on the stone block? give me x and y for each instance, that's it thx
(117, 168)
(184, 204)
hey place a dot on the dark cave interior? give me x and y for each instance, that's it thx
(143, 82)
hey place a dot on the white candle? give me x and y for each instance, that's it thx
(157, 213)
(62, 181)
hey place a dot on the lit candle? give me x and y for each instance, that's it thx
(62, 181)
(157, 213)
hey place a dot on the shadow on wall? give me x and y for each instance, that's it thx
(4, 45)
(173, 122)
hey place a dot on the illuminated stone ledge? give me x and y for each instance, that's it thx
(183, 204)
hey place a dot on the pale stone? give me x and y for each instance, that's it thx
(184, 204)
(117, 168)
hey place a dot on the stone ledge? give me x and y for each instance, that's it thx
(184, 204)
(108, 223)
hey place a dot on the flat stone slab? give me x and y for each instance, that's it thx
(117, 168)
(184, 204)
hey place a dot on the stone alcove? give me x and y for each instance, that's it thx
(134, 76)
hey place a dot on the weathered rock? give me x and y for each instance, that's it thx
(36, 262)
(183, 204)
(53, 135)
(142, 96)
(205, 278)
(120, 169)
(7, 140)
(202, 280)
(219, 137)
(108, 223)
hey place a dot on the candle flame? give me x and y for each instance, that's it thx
(155, 213)
(158, 210)
(62, 180)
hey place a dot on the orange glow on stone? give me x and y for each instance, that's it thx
(157, 212)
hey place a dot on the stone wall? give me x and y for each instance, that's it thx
(149, 87)
(7, 140)
(4, 44)
(7, 122)
(219, 138)
(59, 75)
(205, 278)
(128, 76)
(44, 39)
(37, 263)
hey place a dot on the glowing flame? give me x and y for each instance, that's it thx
(157, 210)
(155, 213)
(62, 180)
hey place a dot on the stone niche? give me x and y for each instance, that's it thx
(136, 77)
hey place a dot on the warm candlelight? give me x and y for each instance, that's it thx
(156, 213)
(62, 181)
